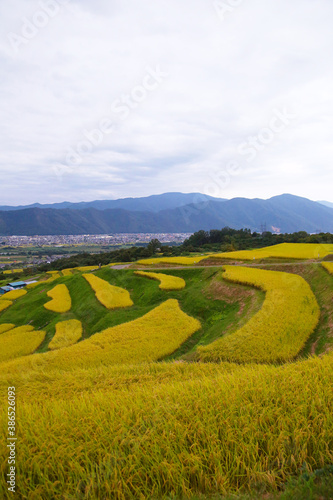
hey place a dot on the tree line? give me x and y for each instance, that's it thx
(223, 240)
(228, 240)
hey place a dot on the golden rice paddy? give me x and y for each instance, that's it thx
(61, 300)
(106, 417)
(67, 333)
(108, 295)
(167, 282)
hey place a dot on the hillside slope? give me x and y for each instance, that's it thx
(153, 203)
(285, 213)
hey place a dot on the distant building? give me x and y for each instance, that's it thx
(5, 289)
(17, 285)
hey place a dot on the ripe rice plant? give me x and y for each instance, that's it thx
(283, 251)
(67, 272)
(6, 300)
(278, 332)
(151, 337)
(171, 429)
(328, 266)
(92, 428)
(33, 285)
(85, 269)
(182, 261)
(54, 277)
(108, 295)
(14, 294)
(167, 282)
(20, 341)
(61, 300)
(67, 333)
(4, 304)
(5, 327)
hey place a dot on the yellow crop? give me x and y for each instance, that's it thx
(67, 272)
(52, 272)
(6, 326)
(169, 429)
(278, 332)
(328, 266)
(67, 333)
(9, 271)
(86, 268)
(183, 261)
(14, 294)
(17, 271)
(284, 250)
(167, 282)
(102, 419)
(55, 276)
(108, 295)
(19, 341)
(4, 304)
(153, 336)
(61, 300)
(6, 300)
(33, 285)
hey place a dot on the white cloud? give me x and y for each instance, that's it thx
(225, 79)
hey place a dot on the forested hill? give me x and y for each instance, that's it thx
(285, 213)
(153, 203)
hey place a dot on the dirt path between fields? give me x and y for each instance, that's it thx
(244, 264)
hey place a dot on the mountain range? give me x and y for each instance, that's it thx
(153, 203)
(326, 203)
(168, 213)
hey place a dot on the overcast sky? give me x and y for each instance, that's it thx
(106, 99)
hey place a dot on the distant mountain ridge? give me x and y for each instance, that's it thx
(153, 203)
(326, 203)
(285, 213)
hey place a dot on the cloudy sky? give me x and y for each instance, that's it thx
(106, 99)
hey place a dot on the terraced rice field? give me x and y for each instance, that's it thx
(167, 282)
(302, 251)
(61, 300)
(328, 266)
(67, 333)
(7, 299)
(108, 295)
(4, 304)
(182, 261)
(13, 295)
(202, 390)
(17, 342)
(273, 334)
